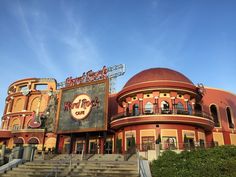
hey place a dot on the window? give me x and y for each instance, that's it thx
(231, 124)
(148, 107)
(165, 107)
(148, 143)
(214, 114)
(16, 127)
(130, 143)
(198, 109)
(169, 142)
(190, 110)
(180, 106)
(135, 110)
(41, 87)
(23, 88)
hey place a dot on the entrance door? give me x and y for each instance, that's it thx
(108, 147)
(67, 148)
(79, 148)
(93, 148)
(130, 144)
(191, 142)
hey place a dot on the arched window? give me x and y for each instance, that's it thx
(231, 124)
(148, 107)
(198, 109)
(214, 114)
(15, 124)
(33, 141)
(35, 104)
(180, 106)
(165, 107)
(18, 105)
(190, 109)
(19, 141)
(135, 110)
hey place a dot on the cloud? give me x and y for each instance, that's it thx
(83, 52)
(35, 39)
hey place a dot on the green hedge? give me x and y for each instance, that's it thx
(214, 162)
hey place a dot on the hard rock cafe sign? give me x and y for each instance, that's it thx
(81, 106)
(89, 76)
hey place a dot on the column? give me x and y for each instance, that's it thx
(173, 105)
(26, 103)
(102, 145)
(6, 107)
(156, 105)
(186, 104)
(23, 121)
(11, 105)
(123, 142)
(8, 122)
(141, 105)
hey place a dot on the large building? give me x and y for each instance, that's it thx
(157, 105)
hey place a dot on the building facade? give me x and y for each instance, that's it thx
(157, 105)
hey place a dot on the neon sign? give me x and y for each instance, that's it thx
(90, 76)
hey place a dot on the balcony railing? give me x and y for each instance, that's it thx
(160, 112)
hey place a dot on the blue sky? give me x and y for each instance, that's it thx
(65, 38)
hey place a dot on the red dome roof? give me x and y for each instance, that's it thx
(157, 75)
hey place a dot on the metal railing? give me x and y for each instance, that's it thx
(131, 151)
(176, 146)
(140, 165)
(160, 111)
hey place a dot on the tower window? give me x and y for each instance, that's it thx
(228, 111)
(214, 114)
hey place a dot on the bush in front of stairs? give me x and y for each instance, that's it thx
(214, 162)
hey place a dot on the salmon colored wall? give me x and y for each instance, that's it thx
(221, 99)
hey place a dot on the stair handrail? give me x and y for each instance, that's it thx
(140, 165)
(56, 169)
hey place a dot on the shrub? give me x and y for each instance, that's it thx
(215, 162)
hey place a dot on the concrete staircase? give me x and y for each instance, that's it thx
(107, 157)
(64, 165)
(103, 169)
(38, 169)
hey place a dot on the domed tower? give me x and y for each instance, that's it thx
(160, 105)
(26, 103)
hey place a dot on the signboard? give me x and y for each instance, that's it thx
(83, 107)
(89, 76)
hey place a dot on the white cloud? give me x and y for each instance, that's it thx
(35, 39)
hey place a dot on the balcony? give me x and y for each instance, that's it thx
(27, 131)
(171, 116)
(5, 133)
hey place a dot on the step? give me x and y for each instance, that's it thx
(101, 168)
(99, 175)
(40, 166)
(104, 174)
(33, 172)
